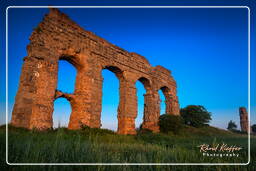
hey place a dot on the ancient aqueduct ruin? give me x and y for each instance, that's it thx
(59, 38)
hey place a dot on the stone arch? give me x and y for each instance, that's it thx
(89, 54)
(166, 93)
(151, 103)
(80, 109)
(146, 83)
(171, 106)
(118, 74)
(76, 61)
(59, 93)
(76, 66)
(127, 107)
(116, 70)
(72, 59)
(68, 97)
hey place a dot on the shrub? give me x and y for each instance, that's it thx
(195, 115)
(254, 128)
(232, 126)
(88, 130)
(142, 130)
(84, 127)
(170, 123)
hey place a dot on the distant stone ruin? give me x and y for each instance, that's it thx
(59, 38)
(243, 119)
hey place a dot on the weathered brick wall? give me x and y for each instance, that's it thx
(59, 38)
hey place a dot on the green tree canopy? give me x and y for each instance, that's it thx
(195, 115)
(170, 123)
(231, 126)
(254, 128)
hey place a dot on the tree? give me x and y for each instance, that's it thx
(195, 115)
(170, 123)
(254, 128)
(232, 126)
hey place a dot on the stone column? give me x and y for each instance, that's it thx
(80, 114)
(83, 103)
(34, 100)
(172, 105)
(127, 109)
(86, 108)
(175, 105)
(96, 106)
(168, 104)
(151, 111)
(243, 119)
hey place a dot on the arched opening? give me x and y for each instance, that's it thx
(110, 97)
(65, 83)
(66, 76)
(61, 113)
(163, 93)
(142, 86)
(162, 102)
(140, 101)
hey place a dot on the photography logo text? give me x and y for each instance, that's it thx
(219, 150)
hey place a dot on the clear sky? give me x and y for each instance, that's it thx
(206, 50)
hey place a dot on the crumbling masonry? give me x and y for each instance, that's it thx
(59, 38)
(244, 123)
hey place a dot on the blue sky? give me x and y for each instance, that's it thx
(206, 50)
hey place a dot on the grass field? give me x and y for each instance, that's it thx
(104, 146)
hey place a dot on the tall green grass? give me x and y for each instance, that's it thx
(105, 146)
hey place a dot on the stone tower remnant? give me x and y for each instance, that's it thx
(56, 38)
(243, 119)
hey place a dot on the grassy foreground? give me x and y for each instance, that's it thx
(104, 146)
